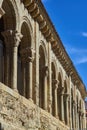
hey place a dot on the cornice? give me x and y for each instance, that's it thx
(39, 14)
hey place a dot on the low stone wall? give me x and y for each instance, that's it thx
(18, 113)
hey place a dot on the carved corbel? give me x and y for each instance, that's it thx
(45, 70)
(27, 54)
(12, 38)
(55, 83)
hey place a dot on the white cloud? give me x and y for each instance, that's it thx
(81, 60)
(78, 55)
(84, 34)
(73, 50)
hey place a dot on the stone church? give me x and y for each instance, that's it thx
(40, 88)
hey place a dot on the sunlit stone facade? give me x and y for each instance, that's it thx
(39, 87)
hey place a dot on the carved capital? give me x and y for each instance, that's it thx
(45, 70)
(27, 54)
(61, 90)
(66, 95)
(12, 38)
(55, 83)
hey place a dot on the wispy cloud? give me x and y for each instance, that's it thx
(78, 55)
(73, 50)
(81, 60)
(84, 34)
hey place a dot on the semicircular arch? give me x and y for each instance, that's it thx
(43, 46)
(55, 66)
(11, 16)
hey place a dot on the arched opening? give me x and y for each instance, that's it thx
(53, 88)
(65, 102)
(9, 16)
(41, 76)
(59, 95)
(7, 22)
(23, 62)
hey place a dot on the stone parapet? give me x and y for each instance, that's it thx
(16, 112)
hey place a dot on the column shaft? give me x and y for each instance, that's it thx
(14, 68)
(7, 66)
(50, 80)
(45, 92)
(24, 79)
(67, 111)
(62, 108)
(29, 80)
(56, 109)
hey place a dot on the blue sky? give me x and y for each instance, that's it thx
(70, 20)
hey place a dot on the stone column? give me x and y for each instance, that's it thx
(70, 103)
(7, 67)
(67, 109)
(12, 40)
(29, 79)
(74, 114)
(15, 40)
(24, 78)
(14, 68)
(62, 103)
(28, 57)
(50, 80)
(45, 71)
(81, 120)
(36, 63)
(78, 116)
(55, 82)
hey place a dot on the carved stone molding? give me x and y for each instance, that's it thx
(61, 90)
(12, 38)
(55, 83)
(27, 54)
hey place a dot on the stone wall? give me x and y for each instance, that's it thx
(18, 113)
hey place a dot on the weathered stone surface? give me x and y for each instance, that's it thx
(14, 113)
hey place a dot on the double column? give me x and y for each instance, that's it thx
(66, 95)
(61, 95)
(45, 71)
(27, 55)
(12, 40)
(55, 87)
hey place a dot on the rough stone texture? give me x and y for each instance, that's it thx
(17, 113)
